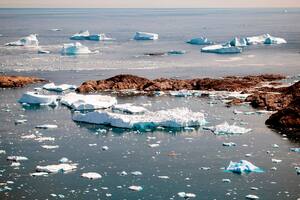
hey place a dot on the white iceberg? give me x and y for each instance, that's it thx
(104, 148)
(16, 158)
(135, 188)
(260, 39)
(173, 118)
(238, 42)
(153, 145)
(225, 128)
(243, 166)
(129, 108)
(137, 173)
(82, 35)
(145, 36)
(200, 41)
(63, 167)
(229, 144)
(75, 49)
(222, 49)
(186, 195)
(50, 146)
(39, 174)
(274, 40)
(91, 175)
(30, 40)
(58, 88)
(88, 102)
(99, 37)
(252, 196)
(38, 99)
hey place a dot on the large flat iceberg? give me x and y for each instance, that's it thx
(75, 49)
(88, 102)
(243, 166)
(200, 41)
(222, 49)
(38, 99)
(172, 118)
(58, 88)
(145, 36)
(30, 40)
(129, 108)
(62, 167)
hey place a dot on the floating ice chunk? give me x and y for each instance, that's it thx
(31, 136)
(64, 160)
(2, 152)
(38, 99)
(55, 29)
(186, 195)
(260, 39)
(226, 180)
(252, 196)
(145, 36)
(15, 164)
(153, 145)
(75, 49)
(176, 52)
(221, 49)
(295, 149)
(137, 173)
(229, 144)
(88, 102)
(163, 177)
(46, 126)
(129, 108)
(58, 88)
(42, 51)
(63, 167)
(225, 128)
(238, 42)
(276, 160)
(242, 166)
(274, 40)
(20, 121)
(82, 35)
(99, 37)
(200, 41)
(104, 148)
(181, 93)
(43, 139)
(16, 158)
(39, 174)
(135, 188)
(30, 40)
(123, 173)
(91, 175)
(298, 170)
(50, 146)
(175, 118)
(275, 146)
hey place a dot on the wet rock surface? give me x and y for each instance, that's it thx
(7, 81)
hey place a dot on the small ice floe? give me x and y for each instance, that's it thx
(87, 102)
(31, 136)
(20, 121)
(42, 51)
(181, 93)
(264, 112)
(243, 166)
(55, 29)
(135, 188)
(91, 175)
(260, 39)
(39, 174)
(172, 118)
(46, 126)
(16, 158)
(104, 148)
(253, 188)
(298, 170)
(273, 168)
(145, 36)
(2, 152)
(176, 52)
(34, 98)
(153, 145)
(58, 88)
(238, 42)
(248, 155)
(229, 144)
(186, 195)
(123, 173)
(163, 177)
(295, 149)
(82, 35)
(274, 40)
(276, 160)
(205, 168)
(129, 108)
(62, 167)
(275, 146)
(252, 196)
(43, 139)
(225, 129)
(15, 164)
(200, 41)
(64, 160)
(226, 180)
(75, 49)
(30, 40)
(222, 49)
(137, 173)
(50, 146)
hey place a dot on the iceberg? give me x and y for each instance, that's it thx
(63, 167)
(16, 158)
(238, 42)
(137, 173)
(145, 36)
(295, 149)
(229, 144)
(75, 49)
(38, 99)
(91, 175)
(172, 118)
(99, 37)
(81, 35)
(135, 188)
(30, 40)
(129, 108)
(274, 40)
(46, 126)
(200, 41)
(42, 51)
(260, 39)
(39, 174)
(58, 88)
(243, 166)
(252, 196)
(87, 102)
(225, 128)
(222, 49)
(186, 195)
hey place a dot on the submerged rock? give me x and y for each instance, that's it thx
(222, 49)
(243, 166)
(30, 40)
(18, 81)
(145, 36)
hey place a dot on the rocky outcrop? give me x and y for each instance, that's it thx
(125, 81)
(18, 81)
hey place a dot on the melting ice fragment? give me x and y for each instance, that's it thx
(58, 88)
(243, 166)
(252, 196)
(16, 158)
(222, 49)
(186, 195)
(225, 128)
(38, 99)
(80, 35)
(137, 173)
(50, 146)
(42, 51)
(91, 175)
(63, 167)
(145, 36)
(75, 49)
(129, 108)
(30, 40)
(46, 126)
(172, 118)
(229, 144)
(238, 42)
(135, 188)
(88, 102)
(274, 40)
(200, 41)
(39, 174)
(260, 39)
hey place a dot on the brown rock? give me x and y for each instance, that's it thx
(18, 81)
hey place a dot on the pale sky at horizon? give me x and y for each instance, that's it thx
(149, 3)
